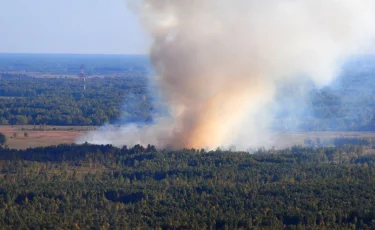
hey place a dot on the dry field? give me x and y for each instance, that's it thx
(54, 135)
(51, 135)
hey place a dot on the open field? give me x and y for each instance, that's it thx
(51, 135)
(54, 135)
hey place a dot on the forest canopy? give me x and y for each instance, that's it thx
(347, 105)
(103, 187)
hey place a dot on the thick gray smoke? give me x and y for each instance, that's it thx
(219, 63)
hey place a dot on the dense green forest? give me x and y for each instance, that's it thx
(62, 101)
(348, 104)
(103, 187)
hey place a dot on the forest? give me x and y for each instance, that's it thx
(62, 101)
(345, 105)
(104, 187)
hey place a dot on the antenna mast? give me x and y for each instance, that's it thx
(83, 76)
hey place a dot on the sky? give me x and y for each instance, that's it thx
(70, 26)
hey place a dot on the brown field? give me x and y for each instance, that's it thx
(37, 136)
(54, 135)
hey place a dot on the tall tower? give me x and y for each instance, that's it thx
(83, 76)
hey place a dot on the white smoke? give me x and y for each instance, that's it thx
(219, 63)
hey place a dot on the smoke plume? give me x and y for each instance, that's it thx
(219, 63)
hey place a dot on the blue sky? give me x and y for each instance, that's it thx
(70, 26)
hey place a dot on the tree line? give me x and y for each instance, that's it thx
(26, 100)
(62, 101)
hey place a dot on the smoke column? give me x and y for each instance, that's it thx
(219, 63)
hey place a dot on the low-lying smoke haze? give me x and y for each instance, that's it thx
(219, 64)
